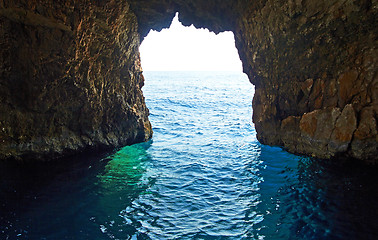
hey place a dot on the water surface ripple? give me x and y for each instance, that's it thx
(202, 176)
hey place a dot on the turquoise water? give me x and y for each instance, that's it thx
(202, 176)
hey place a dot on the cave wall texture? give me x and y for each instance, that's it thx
(71, 79)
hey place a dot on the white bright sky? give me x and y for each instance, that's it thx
(182, 48)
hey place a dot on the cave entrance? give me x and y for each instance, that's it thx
(195, 88)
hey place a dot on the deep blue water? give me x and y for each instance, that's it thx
(202, 176)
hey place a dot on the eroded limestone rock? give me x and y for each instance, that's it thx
(314, 65)
(71, 77)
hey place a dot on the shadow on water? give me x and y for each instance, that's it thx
(285, 197)
(205, 176)
(79, 198)
(305, 198)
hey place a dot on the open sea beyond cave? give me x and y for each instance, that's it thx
(202, 176)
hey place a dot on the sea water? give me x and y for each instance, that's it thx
(204, 175)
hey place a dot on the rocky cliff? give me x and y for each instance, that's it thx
(314, 64)
(71, 78)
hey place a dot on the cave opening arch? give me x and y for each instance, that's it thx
(202, 62)
(71, 78)
(303, 90)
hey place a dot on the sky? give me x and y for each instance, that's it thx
(182, 48)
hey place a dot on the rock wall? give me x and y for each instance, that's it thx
(314, 65)
(71, 76)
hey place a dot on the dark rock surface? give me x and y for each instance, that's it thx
(71, 78)
(314, 64)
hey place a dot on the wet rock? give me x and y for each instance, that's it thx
(316, 129)
(344, 128)
(290, 126)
